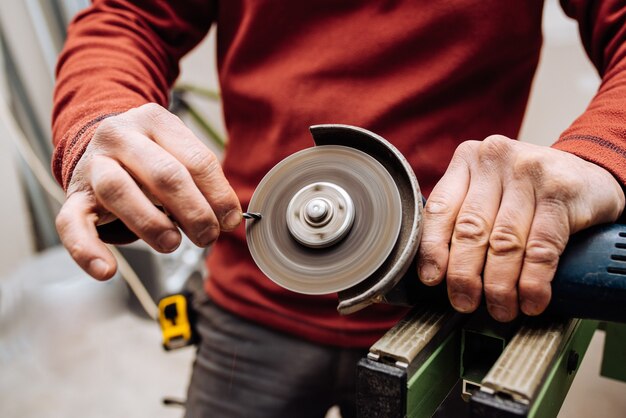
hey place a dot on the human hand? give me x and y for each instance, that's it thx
(134, 158)
(504, 210)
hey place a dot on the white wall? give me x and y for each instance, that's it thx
(33, 60)
(15, 226)
(565, 81)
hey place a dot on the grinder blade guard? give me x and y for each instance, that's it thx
(343, 216)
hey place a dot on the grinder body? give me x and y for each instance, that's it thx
(590, 281)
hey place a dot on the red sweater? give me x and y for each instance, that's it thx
(424, 75)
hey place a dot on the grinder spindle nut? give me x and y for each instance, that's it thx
(320, 214)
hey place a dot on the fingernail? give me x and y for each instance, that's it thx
(232, 219)
(208, 236)
(530, 308)
(428, 272)
(168, 240)
(461, 302)
(98, 267)
(499, 313)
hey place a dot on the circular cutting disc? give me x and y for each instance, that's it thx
(374, 231)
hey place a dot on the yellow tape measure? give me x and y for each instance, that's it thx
(175, 321)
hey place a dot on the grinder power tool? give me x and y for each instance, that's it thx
(346, 216)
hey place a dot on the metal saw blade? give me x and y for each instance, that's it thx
(374, 232)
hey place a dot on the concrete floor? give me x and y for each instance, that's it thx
(70, 348)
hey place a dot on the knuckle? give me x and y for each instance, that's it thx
(108, 125)
(497, 291)
(110, 130)
(63, 221)
(202, 162)
(459, 281)
(157, 115)
(494, 147)
(466, 148)
(224, 200)
(497, 140)
(168, 175)
(109, 188)
(505, 240)
(470, 226)
(438, 204)
(77, 252)
(150, 224)
(200, 219)
(544, 251)
(151, 109)
(530, 166)
(202, 228)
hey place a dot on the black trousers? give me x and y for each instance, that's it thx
(243, 369)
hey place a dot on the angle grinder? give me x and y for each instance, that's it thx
(345, 216)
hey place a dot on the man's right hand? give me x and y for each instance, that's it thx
(134, 158)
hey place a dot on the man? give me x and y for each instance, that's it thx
(425, 75)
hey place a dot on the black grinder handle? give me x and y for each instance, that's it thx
(590, 281)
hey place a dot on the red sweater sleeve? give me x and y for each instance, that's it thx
(119, 55)
(599, 134)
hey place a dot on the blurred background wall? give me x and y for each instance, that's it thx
(31, 34)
